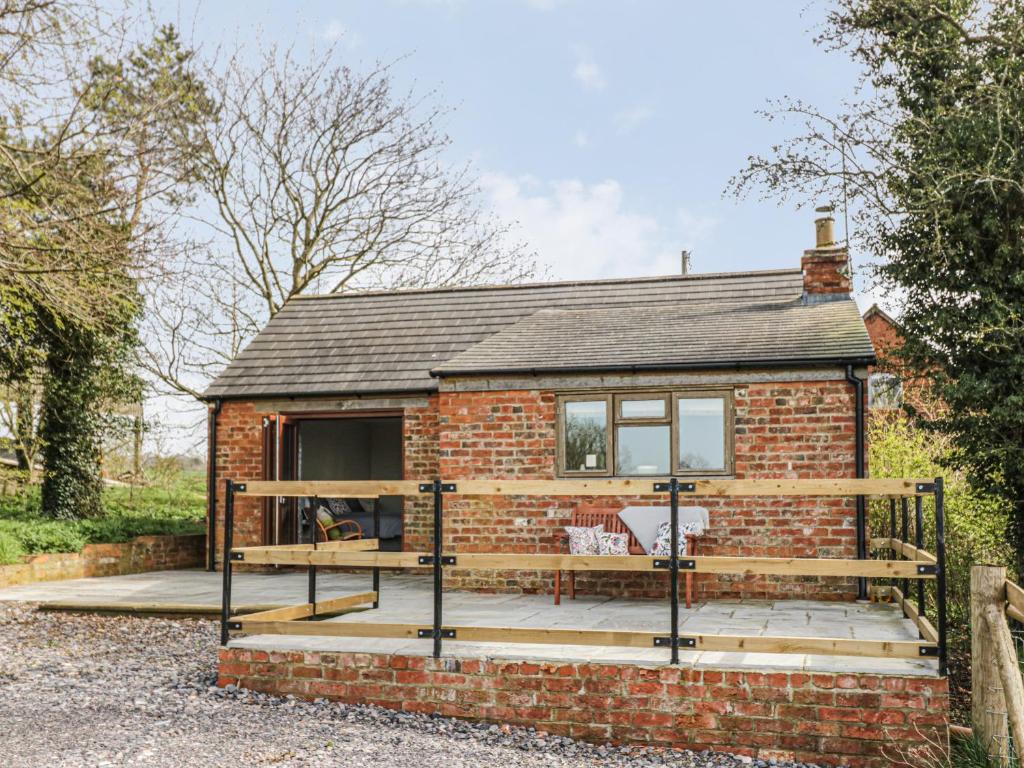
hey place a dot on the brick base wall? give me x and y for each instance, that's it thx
(140, 555)
(859, 720)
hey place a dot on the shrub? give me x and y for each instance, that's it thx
(175, 509)
(975, 529)
(10, 549)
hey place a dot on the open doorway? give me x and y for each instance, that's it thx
(344, 448)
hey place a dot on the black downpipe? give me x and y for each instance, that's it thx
(862, 544)
(211, 510)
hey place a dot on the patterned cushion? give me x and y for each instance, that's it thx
(323, 514)
(663, 543)
(613, 543)
(584, 541)
(339, 508)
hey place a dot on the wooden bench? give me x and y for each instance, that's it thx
(585, 516)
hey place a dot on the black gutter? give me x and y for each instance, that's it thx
(640, 367)
(862, 544)
(211, 511)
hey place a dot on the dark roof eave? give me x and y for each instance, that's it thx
(206, 398)
(639, 367)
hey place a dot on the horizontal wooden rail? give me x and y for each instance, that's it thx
(1014, 602)
(327, 489)
(908, 551)
(775, 566)
(925, 627)
(903, 649)
(305, 610)
(619, 487)
(350, 545)
(328, 557)
(759, 487)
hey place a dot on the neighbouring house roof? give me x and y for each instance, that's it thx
(380, 342)
(874, 309)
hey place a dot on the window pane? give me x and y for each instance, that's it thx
(586, 436)
(702, 433)
(642, 450)
(884, 391)
(642, 409)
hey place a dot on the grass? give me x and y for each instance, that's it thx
(971, 753)
(175, 506)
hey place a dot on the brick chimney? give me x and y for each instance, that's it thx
(826, 266)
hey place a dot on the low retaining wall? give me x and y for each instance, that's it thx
(859, 720)
(141, 554)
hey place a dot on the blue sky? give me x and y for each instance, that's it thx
(607, 129)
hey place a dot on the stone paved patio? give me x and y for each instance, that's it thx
(407, 598)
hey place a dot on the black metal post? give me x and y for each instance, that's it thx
(892, 531)
(311, 522)
(904, 537)
(229, 524)
(862, 535)
(211, 512)
(438, 579)
(940, 586)
(673, 488)
(919, 543)
(376, 535)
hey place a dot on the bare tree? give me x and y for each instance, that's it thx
(320, 179)
(48, 140)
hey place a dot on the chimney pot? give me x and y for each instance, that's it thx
(685, 265)
(824, 228)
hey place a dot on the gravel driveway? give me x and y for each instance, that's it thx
(78, 690)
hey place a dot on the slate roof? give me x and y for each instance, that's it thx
(381, 342)
(682, 336)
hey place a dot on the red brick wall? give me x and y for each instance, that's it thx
(798, 429)
(240, 457)
(794, 429)
(420, 433)
(140, 555)
(860, 720)
(884, 336)
(826, 271)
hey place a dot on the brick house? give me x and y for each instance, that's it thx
(745, 375)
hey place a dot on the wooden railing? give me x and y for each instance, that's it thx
(919, 565)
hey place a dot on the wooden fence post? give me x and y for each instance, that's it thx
(988, 705)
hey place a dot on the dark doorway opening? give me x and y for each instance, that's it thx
(343, 448)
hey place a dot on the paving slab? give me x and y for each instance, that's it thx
(408, 598)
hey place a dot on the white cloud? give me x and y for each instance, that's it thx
(581, 139)
(335, 34)
(628, 120)
(587, 230)
(586, 71)
(334, 30)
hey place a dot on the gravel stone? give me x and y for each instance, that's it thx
(89, 690)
